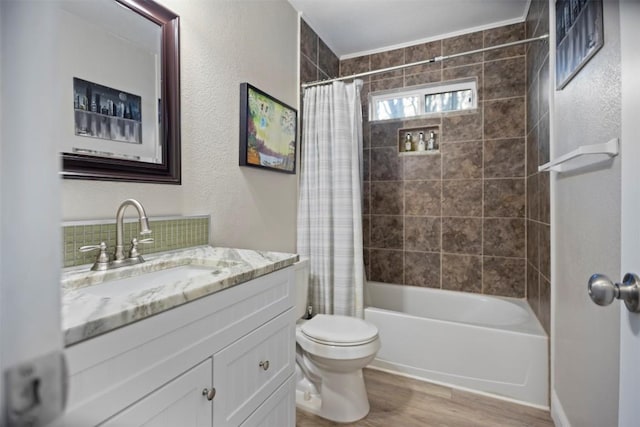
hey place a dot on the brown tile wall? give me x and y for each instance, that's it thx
(538, 198)
(317, 61)
(454, 220)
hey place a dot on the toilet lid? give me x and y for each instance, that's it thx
(339, 329)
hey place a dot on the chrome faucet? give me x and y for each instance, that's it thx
(102, 262)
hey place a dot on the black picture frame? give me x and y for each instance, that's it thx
(168, 171)
(579, 36)
(275, 119)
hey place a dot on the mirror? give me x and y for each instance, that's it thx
(120, 65)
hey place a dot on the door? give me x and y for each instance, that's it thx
(180, 402)
(30, 245)
(630, 250)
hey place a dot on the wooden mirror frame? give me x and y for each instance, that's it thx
(82, 166)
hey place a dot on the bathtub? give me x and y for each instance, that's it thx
(485, 344)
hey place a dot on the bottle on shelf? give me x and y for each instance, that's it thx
(407, 143)
(431, 144)
(421, 142)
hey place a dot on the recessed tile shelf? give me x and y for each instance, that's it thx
(402, 135)
(419, 153)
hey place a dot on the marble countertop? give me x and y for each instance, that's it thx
(92, 303)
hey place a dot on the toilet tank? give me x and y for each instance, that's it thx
(301, 269)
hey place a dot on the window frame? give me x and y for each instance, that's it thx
(421, 91)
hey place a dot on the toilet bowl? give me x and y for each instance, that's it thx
(331, 351)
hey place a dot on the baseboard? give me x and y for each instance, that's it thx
(558, 415)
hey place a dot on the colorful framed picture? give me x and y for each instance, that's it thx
(268, 131)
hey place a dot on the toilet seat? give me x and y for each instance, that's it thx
(338, 337)
(339, 330)
(351, 344)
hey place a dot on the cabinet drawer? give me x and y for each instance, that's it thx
(279, 410)
(251, 369)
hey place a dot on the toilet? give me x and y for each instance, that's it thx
(331, 351)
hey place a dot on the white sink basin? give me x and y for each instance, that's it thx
(166, 278)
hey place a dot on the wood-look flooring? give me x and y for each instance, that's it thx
(404, 402)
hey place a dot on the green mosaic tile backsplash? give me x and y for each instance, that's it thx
(168, 234)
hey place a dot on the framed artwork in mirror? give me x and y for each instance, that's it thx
(268, 129)
(579, 36)
(120, 70)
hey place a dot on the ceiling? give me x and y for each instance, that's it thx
(357, 27)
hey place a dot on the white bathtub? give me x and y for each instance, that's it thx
(481, 343)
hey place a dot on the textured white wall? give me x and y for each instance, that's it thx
(223, 43)
(586, 234)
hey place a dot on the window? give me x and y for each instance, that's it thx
(423, 100)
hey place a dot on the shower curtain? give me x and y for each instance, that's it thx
(330, 204)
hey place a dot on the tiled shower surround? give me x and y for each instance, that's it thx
(168, 234)
(538, 198)
(460, 219)
(454, 220)
(317, 61)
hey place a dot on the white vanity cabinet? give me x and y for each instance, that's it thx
(239, 341)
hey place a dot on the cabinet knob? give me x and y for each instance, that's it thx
(264, 364)
(209, 393)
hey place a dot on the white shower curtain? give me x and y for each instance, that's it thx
(330, 205)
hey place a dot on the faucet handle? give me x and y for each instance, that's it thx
(103, 259)
(134, 246)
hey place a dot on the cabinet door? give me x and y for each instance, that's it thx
(278, 411)
(177, 403)
(248, 371)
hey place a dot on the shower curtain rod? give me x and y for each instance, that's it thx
(426, 61)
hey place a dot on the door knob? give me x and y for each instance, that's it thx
(603, 291)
